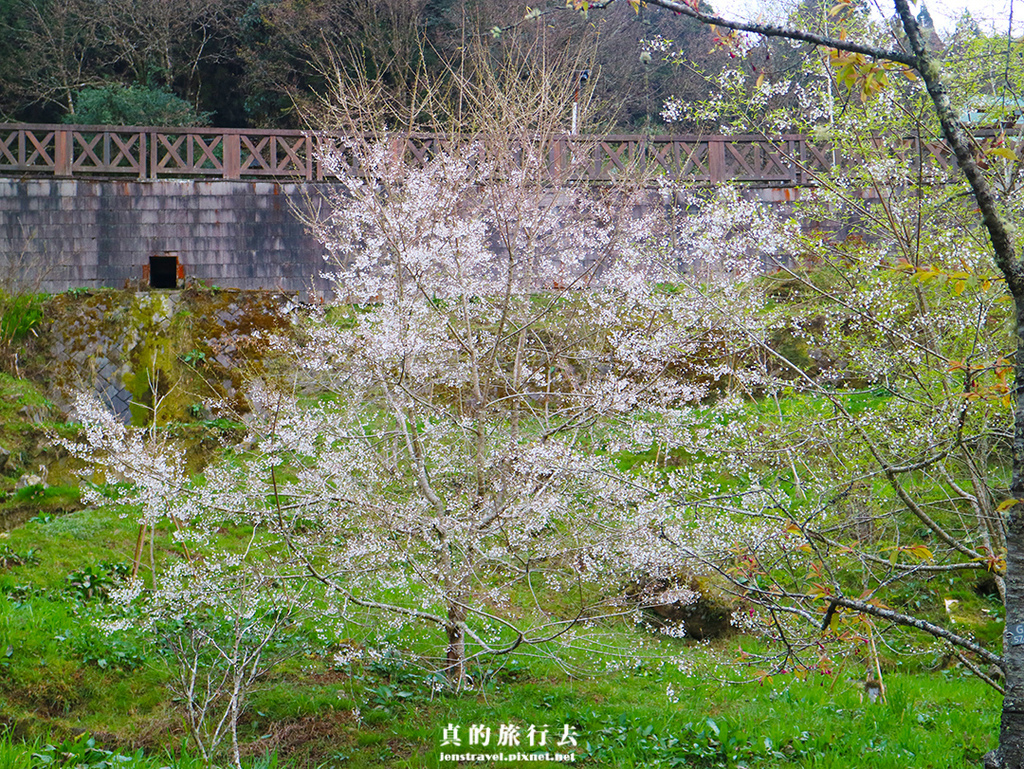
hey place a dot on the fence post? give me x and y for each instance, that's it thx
(232, 156)
(319, 144)
(62, 153)
(716, 159)
(143, 160)
(556, 159)
(309, 156)
(154, 155)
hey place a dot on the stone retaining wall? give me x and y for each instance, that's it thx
(63, 234)
(163, 352)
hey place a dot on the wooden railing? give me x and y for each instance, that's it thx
(69, 151)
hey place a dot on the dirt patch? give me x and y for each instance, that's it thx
(307, 740)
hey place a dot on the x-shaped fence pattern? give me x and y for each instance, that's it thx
(67, 151)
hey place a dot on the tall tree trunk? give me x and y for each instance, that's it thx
(1010, 754)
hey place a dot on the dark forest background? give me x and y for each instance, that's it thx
(257, 63)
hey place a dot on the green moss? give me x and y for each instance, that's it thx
(171, 351)
(152, 351)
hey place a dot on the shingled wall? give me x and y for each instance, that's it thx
(61, 234)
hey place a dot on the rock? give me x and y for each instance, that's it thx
(33, 414)
(5, 458)
(702, 612)
(29, 479)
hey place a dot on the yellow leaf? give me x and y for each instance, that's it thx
(1006, 504)
(833, 623)
(921, 552)
(909, 74)
(760, 79)
(1002, 152)
(959, 286)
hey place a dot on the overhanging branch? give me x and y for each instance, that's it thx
(773, 30)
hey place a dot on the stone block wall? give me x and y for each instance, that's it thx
(57, 234)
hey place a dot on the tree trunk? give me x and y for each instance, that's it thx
(456, 657)
(1010, 754)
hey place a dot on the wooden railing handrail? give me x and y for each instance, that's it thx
(150, 153)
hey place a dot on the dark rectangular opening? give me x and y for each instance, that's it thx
(163, 272)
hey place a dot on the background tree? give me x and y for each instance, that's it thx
(133, 105)
(165, 43)
(61, 43)
(631, 76)
(866, 70)
(288, 49)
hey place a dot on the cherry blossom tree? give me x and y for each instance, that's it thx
(862, 436)
(494, 320)
(436, 455)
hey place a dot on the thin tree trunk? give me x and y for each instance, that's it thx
(456, 657)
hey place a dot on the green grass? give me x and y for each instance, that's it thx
(60, 674)
(64, 674)
(19, 315)
(385, 712)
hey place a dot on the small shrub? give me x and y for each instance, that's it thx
(96, 581)
(9, 557)
(117, 104)
(106, 652)
(82, 752)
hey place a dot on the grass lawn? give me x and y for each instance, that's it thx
(60, 675)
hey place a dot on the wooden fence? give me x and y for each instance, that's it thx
(69, 151)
